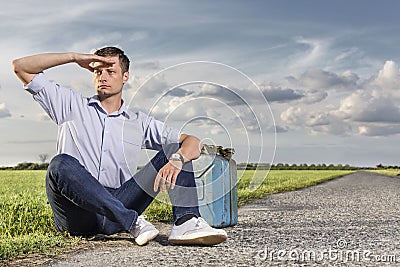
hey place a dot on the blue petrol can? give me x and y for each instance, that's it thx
(216, 179)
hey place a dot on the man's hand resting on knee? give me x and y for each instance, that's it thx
(166, 177)
(190, 150)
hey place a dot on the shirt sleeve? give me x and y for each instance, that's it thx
(157, 133)
(55, 99)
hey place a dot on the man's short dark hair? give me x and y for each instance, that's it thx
(111, 51)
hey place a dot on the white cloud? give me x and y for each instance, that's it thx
(347, 53)
(379, 130)
(371, 110)
(328, 124)
(325, 80)
(314, 96)
(318, 120)
(316, 50)
(281, 95)
(4, 112)
(228, 95)
(369, 106)
(293, 116)
(388, 78)
(315, 122)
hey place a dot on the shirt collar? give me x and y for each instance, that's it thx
(123, 110)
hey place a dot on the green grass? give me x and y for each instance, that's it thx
(25, 217)
(26, 222)
(390, 172)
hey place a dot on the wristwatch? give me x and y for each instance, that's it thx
(177, 157)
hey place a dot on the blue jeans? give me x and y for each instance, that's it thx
(82, 206)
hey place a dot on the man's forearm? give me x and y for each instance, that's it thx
(27, 67)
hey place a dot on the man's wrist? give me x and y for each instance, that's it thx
(177, 157)
(72, 57)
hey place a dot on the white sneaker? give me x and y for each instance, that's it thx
(196, 231)
(144, 231)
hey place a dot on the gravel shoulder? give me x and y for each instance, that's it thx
(353, 220)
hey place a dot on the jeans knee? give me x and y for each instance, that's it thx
(61, 163)
(58, 160)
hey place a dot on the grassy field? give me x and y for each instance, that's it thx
(26, 221)
(390, 172)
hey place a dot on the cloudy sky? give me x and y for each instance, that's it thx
(328, 69)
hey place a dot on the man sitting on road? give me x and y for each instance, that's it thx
(89, 184)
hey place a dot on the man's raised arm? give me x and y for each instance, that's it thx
(27, 67)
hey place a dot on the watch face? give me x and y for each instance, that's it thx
(176, 157)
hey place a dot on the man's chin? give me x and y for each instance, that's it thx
(105, 94)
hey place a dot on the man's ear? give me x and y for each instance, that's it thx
(125, 76)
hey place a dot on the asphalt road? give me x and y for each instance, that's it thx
(353, 220)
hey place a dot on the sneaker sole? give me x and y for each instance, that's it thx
(146, 237)
(208, 240)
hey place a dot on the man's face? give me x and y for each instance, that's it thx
(109, 79)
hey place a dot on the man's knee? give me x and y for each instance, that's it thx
(61, 163)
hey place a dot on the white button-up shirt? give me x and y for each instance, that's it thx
(108, 145)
